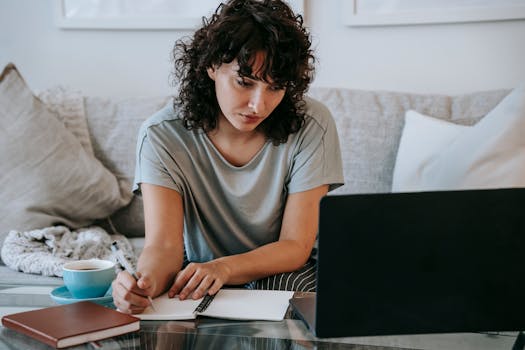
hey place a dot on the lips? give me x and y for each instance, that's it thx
(250, 117)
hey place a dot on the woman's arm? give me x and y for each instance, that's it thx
(163, 251)
(290, 252)
(162, 255)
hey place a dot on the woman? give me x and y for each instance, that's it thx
(232, 173)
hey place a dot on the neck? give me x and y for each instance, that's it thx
(229, 134)
(236, 146)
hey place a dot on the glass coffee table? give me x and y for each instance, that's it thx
(207, 333)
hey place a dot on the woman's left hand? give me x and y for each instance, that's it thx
(199, 279)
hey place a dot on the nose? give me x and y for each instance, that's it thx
(257, 101)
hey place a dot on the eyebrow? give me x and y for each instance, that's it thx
(252, 77)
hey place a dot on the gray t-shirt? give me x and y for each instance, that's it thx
(229, 209)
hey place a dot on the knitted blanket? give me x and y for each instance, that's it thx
(45, 251)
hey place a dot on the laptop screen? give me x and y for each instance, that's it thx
(427, 262)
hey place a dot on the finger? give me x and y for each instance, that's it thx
(176, 286)
(202, 288)
(181, 279)
(119, 287)
(132, 303)
(129, 283)
(145, 283)
(127, 308)
(215, 287)
(192, 284)
(126, 280)
(128, 299)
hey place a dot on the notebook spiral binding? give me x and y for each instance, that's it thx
(204, 303)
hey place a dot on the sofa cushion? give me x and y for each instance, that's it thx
(68, 106)
(114, 125)
(490, 154)
(370, 123)
(422, 139)
(47, 176)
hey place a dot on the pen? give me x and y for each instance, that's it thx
(204, 303)
(126, 266)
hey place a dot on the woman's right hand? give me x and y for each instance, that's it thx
(162, 254)
(130, 296)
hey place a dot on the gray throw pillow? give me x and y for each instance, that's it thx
(47, 176)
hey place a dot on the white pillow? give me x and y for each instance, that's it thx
(438, 155)
(422, 139)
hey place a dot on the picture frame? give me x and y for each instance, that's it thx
(409, 12)
(137, 14)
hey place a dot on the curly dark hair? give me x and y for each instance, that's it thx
(238, 30)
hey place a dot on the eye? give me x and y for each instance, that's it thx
(243, 83)
(276, 88)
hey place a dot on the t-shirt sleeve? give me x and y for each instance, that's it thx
(317, 159)
(150, 166)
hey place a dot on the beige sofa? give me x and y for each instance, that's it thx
(369, 123)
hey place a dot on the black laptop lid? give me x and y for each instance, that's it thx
(404, 263)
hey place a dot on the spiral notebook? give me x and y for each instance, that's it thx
(233, 304)
(426, 262)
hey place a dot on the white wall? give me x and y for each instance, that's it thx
(445, 58)
(448, 58)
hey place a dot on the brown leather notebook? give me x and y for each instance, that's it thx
(71, 324)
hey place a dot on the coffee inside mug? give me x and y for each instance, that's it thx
(88, 265)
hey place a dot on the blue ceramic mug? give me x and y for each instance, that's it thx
(88, 278)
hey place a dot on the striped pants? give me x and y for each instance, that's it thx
(302, 280)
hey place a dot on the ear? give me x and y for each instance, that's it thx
(211, 73)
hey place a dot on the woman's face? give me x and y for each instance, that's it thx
(244, 101)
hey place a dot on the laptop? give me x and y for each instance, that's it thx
(425, 262)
